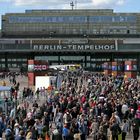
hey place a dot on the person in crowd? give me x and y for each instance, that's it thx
(115, 130)
(16, 129)
(94, 128)
(21, 136)
(56, 134)
(2, 127)
(125, 129)
(9, 135)
(39, 127)
(105, 126)
(65, 132)
(86, 104)
(136, 126)
(83, 129)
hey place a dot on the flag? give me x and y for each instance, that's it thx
(114, 68)
(127, 67)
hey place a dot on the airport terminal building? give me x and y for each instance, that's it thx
(86, 37)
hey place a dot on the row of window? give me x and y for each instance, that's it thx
(75, 31)
(13, 60)
(71, 19)
(16, 60)
(125, 59)
(67, 58)
(79, 58)
(13, 65)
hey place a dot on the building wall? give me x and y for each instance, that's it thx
(88, 52)
(86, 49)
(74, 22)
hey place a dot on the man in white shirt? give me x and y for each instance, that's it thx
(125, 129)
(124, 108)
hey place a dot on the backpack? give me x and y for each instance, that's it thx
(8, 132)
(116, 130)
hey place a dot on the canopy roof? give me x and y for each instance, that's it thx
(5, 88)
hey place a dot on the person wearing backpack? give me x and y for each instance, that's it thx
(67, 118)
(8, 133)
(125, 129)
(115, 130)
(65, 132)
(21, 136)
(2, 127)
(83, 129)
(136, 125)
(56, 134)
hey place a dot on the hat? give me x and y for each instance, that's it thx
(36, 120)
(16, 124)
(21, 132)
(67, 112)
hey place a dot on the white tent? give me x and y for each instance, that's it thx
(5, 88)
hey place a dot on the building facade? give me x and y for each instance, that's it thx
(77, 23)
(86, 37)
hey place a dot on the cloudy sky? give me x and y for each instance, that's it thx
(11, 6)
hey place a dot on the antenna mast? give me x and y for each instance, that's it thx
(72, 5)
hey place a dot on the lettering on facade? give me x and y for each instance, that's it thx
(74, 41)
(74, 47)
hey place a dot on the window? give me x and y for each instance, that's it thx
(9, 65)
(71, 19)
(13, 60)
(3, 65)
(2, 60)
(88, 58)
(14, 65)
(128, 31)
(9, 60)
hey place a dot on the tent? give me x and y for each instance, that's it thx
(5, 88)
(5, 91)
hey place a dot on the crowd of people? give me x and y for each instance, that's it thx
(87, 105)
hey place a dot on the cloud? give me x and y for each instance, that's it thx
(65, 4)
(5, 0)
(49, 3)
(107, 3)
(28, 2)
(120, 2)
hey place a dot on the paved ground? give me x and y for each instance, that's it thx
(24, 83)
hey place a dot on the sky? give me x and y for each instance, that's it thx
(16, 6)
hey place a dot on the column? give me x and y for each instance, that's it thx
(6, 61)
(85, 61)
